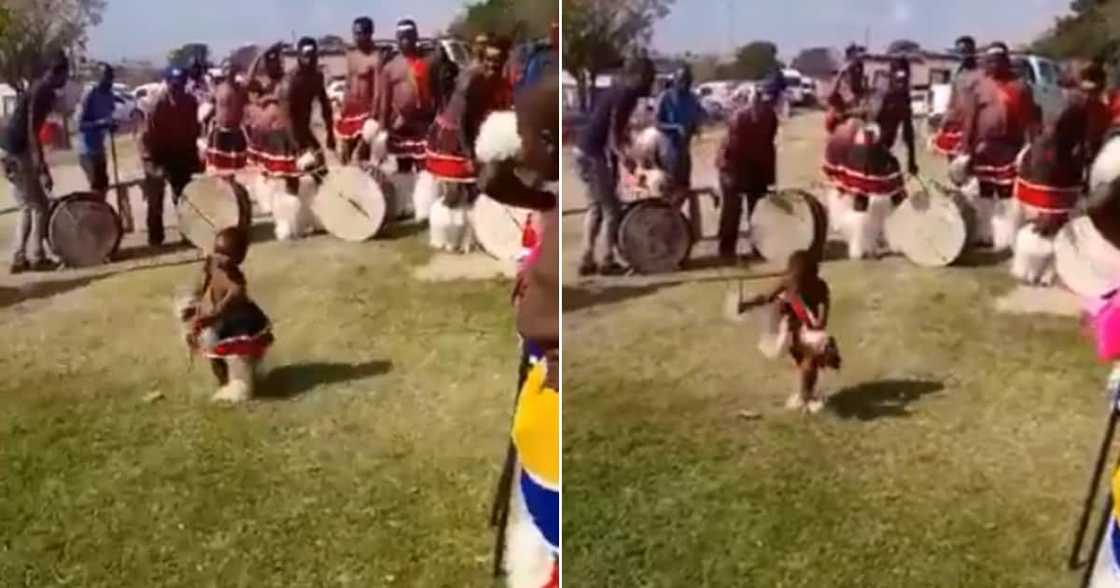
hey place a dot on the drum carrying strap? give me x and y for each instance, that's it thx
(800, 309)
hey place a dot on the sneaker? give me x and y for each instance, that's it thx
(44, 265)
(814, 406)
(611, 268)
(18, 267)
(588, 268)
(794, 402)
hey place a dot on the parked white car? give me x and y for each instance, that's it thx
(1043, 76)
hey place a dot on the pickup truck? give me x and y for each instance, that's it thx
(1040, 73)
(1044, 78)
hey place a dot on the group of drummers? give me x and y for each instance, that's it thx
(407, 104)
(1018, 164)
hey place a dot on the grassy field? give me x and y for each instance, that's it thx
(954, 451)
(370, 460)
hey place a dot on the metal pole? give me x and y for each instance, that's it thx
(1094, 485)
(1098, 539)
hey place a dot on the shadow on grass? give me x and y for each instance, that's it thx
(289, 381)
(579, 299)
(402, 229)
(885, 398)
(982, 258)
(45, 289)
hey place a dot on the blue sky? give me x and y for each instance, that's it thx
(150, 28)
(705, 25)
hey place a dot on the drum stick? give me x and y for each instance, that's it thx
(1102, 526)
(1094, 484)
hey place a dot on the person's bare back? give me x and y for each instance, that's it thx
(230, 100)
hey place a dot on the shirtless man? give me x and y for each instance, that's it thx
(480, 90)
(1001, 116)
(849, 90)
(227, 143)
(894, 111)
(406, 105)
(268, 134)
(948, 138)
(284, 134)
(363, 65)
(304, 86)
(1053, 170)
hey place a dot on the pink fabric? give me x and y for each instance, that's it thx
(1104, 322)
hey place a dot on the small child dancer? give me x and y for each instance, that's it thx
(225, 325)
(801, 308)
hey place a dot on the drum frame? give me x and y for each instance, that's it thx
(53, 209)
(243, 202)
(629, 208)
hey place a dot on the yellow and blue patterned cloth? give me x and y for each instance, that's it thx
(536, 436)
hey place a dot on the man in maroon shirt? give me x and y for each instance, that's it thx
(169, 149)
(747, 166)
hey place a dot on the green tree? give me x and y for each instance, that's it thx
(755, 60)
(903, 47)
(34, 30)
(599, 33)
(1090, 32)
(182, 56)
(520, 20)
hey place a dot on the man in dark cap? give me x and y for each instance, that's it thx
(26, 168)
(169, 149)
(747, 165)
(363, 66)
(95, 120)
(602, 146)
(406, 99)
(679, 115)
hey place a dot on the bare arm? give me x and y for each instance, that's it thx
(38, 161)
(825, 306)
(908, 135)
(326, 110)
(498, 181)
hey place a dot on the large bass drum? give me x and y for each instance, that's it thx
(497, 227)
(654, 237)
(931, 228)
(83, 230)
(788, 221)
(350, 204)
(210, 204)
(1086, 262)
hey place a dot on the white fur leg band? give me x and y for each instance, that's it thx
(498, 138)
(370, 130)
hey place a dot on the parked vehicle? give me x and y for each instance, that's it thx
(1044, 78)
(795, 89)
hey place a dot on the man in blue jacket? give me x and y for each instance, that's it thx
(96, 118)
(678, 116)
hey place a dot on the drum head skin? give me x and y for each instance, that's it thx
(1087, 264)
(788, 221)
(930, 227)
(654, 237)
(350, 204)
(83, 230)
(210, 204)
(497, 227)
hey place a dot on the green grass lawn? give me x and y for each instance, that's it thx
(954, 453)
(370, 463)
